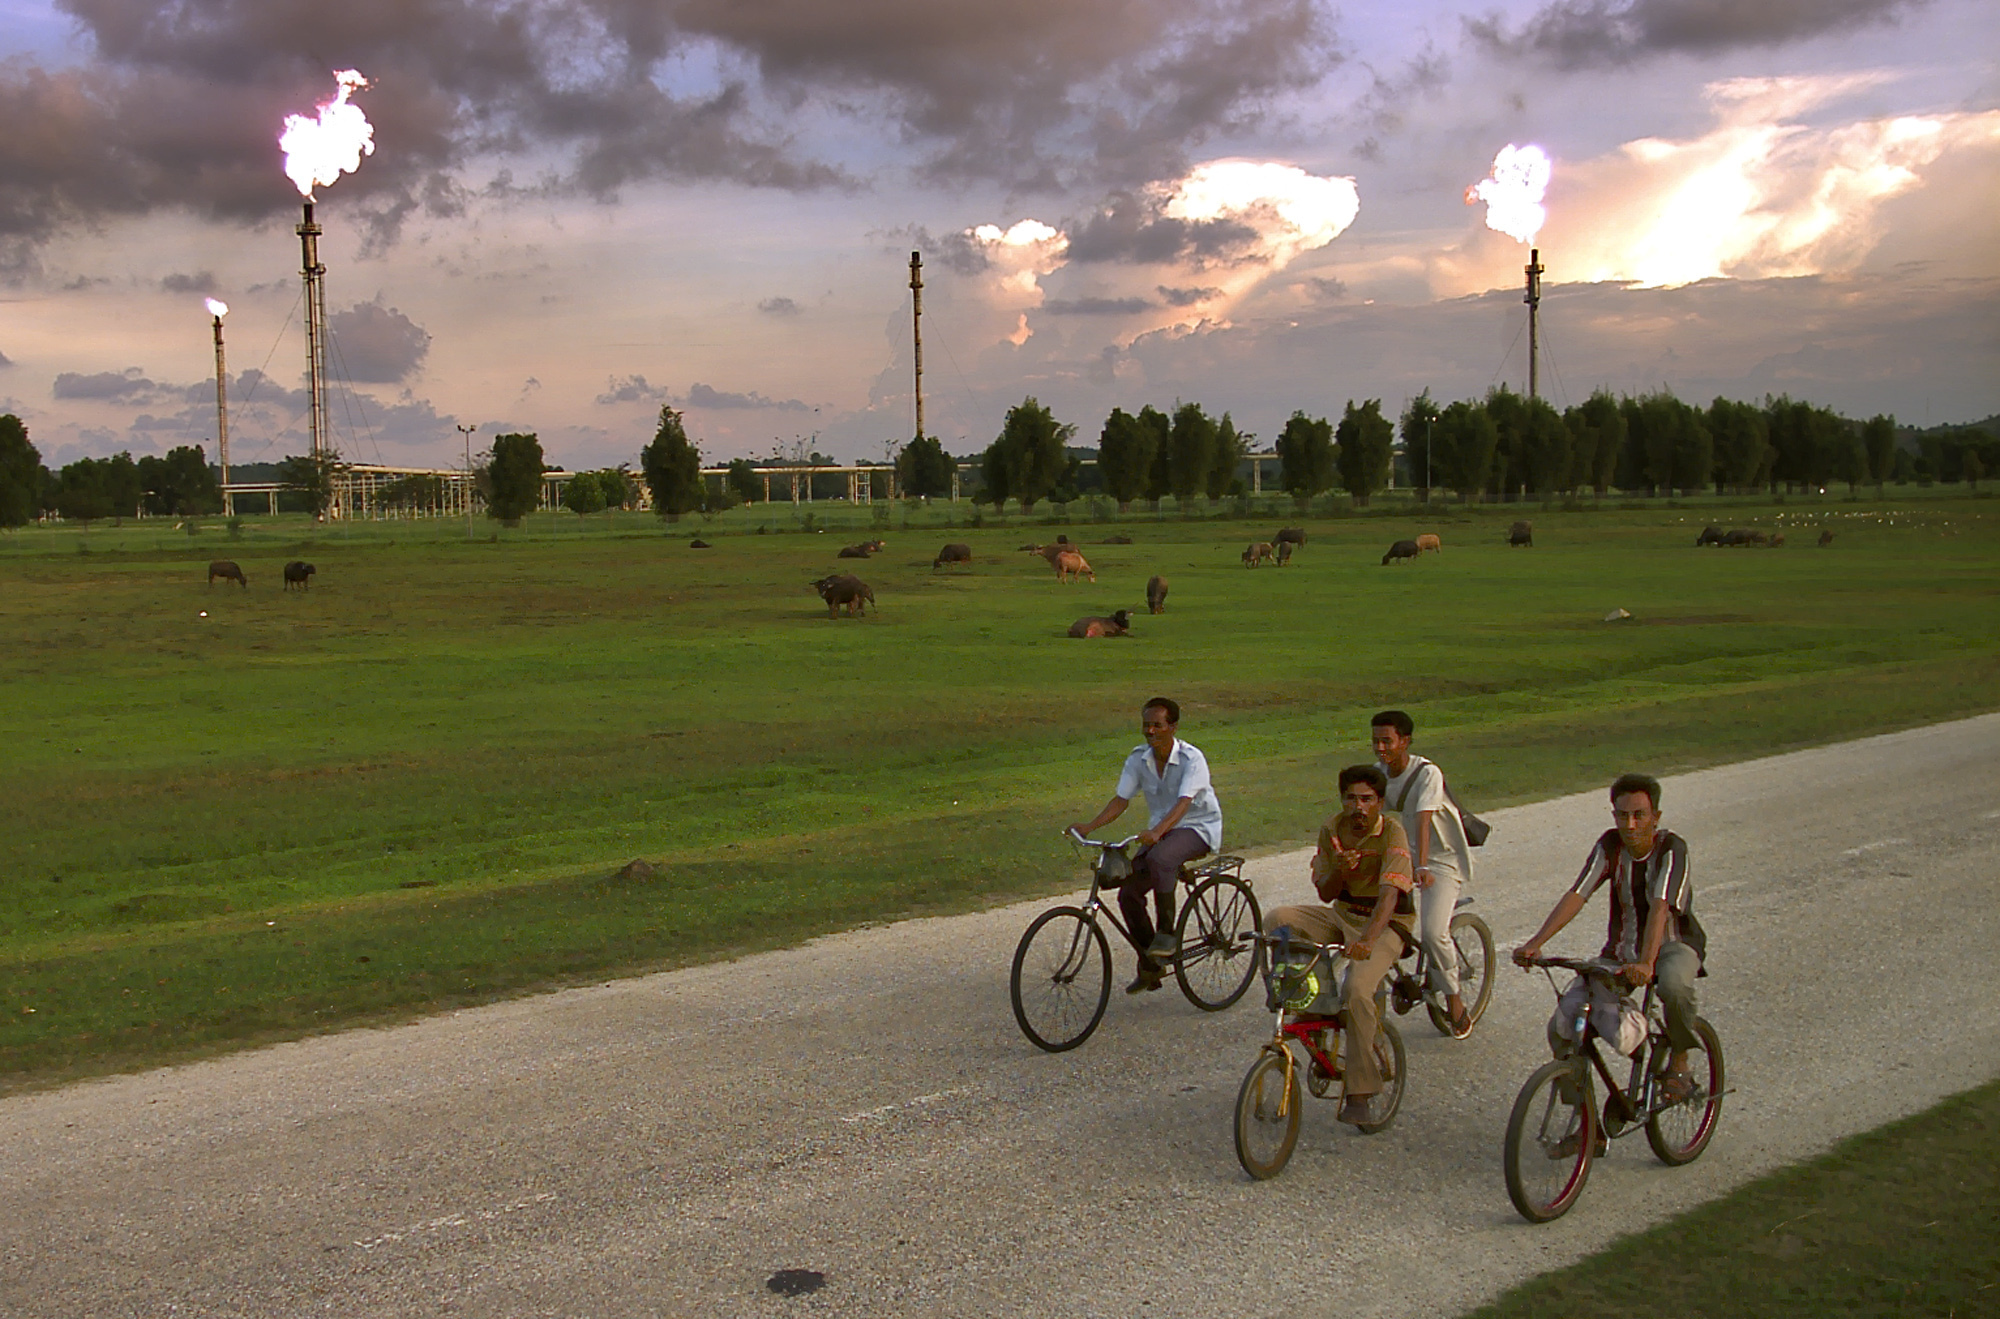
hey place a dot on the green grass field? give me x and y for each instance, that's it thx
(410, 787)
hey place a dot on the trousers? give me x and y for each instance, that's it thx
(1435, 906)
(1674, 971)
(1156, 870)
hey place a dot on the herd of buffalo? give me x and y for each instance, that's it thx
(297, 573)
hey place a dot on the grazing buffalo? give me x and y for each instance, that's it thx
(1825, 539)
(1284, 553)
(844, 589)
(299, 574)
(1156, 595)
(1710, 535)
(1070, 565)
(1429, 543)
(1118, 625)
(1521, 533)
(1050, 553)
(1290, 536)
(953, 553)
(853, 552)
(1743, 536)
(1257, 553)
(228, 572)
(1777, 539)
(1402, 549)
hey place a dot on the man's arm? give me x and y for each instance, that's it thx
(1153, 834)
(1565, 912)
(1423, 848)
(1112, 810)
(1639, 972)
(1378, 921)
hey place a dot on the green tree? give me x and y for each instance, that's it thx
(1125, 452)
(1671, 443)
(1159, 477)
(1229, 450)
(745, 481)
(1465, 438)
(1190, 452)
(22, 475)
(180, 484)
(673, 468)
(1367, 446)
(1030, 454)
(514, 478)
(1306, 457)
(1878, 440)
(924, 469)
(1419, 427)
(1743, 452)
(1597, 436)
(312, 478)
(583, 493)
(123, 487)
(616, 483)
(81, 493)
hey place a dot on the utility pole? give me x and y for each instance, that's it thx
(917, 331)
(467, 431)
(1534, 301)
(222, 412)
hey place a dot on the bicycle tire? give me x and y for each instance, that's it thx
(1059, 988)
(1551, 1141)
(1265, 1137)
(1473, 941)
(1680, 1132)
(1219, 952)
(1389, 1057)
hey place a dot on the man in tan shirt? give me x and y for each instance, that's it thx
(1362, 871)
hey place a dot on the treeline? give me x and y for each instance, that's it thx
(179, 485)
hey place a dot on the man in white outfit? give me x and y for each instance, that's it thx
(1437, 841)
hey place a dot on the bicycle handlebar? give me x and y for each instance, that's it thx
(1079, 839)
(1586, 966)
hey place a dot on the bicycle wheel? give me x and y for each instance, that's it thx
(1474, 945)
(1680, 1132)
(1551, 1139)
(1062, 979)
(1265, 1135)
(1218, 934)
(1382, 1105)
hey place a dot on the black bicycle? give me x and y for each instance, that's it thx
(1557, 1129)
(1061, 981)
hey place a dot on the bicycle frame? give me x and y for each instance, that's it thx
(1291, 1028)
(1635, 1099)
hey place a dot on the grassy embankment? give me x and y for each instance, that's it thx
(1903, 1220)
(406, 789)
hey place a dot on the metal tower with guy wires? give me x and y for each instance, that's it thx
(315, 313)
(1534, 301)
(218, 309)
(917, 331)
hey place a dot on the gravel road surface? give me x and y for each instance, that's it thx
(864, 1108)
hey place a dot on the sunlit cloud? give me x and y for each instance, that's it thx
(1017, 257)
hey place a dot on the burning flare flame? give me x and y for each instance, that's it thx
(1513, 195)
(217, 307)
(318, 151)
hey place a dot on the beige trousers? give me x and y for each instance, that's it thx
(1362, 1074)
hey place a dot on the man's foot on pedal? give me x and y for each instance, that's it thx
(1354, 1111)
(1678, 1087)
(1461, 1024)
(1163, 945)
(1146, 981)
(1567, 1147)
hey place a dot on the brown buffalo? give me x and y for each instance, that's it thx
(228, 572)
(299, 574)
(1050, 553)
(952, 553)
(1069, 565)
(844, 589)
(1825, 539)
(1402, 549)
(1777, 539)
(1290, 536)
(1428, 543)
(1284, 553)
(1258, 552)
(1156, 595)
(1521, 533)
(1118, 625)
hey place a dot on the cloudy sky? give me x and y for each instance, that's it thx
(580, 210)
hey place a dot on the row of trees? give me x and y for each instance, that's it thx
(181, 484)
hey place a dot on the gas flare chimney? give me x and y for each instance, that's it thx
(917, 330)
(1534, 301)
(315, 277)
(216, 310)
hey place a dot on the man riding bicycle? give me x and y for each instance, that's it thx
(1362, 870)
(1438, 846)
(1184, 823)
(1653, 932)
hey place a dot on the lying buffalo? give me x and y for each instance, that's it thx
(1521, 533)
(228, 572)
(952, 553)
(1156, 595)
(699, 544)
(1118, 625)
(1402, 549)
(299, 574)
(844, 589)
(1742, 537)
(1120, 539)
(853, 552)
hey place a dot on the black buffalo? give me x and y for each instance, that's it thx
(299, 574)
(952, 553)
(228, 572)
(1290, 536)
(1117, 625)
(844, 590)
(1522, 533)
(1156, 595)
(1710, 535)
(1402, 549)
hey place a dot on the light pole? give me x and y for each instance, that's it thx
(467, 431)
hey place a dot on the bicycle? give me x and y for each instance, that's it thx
(1411, 985)
(1306, 998)
(1061, 980)
(1555, 1131)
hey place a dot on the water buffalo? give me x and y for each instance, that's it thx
(1257, 553)
(1069, 565)
(1050, 553)
(1118, 625)
(1777, 539)
(1710, 535)
(699, 544)
(1402, 549)
(952, 553)
(853, 552)
(1156, 595)
(1743, 536)
(1429, 543)
(1521, 533)
(1290, 536)
(1825, 539)
(844, 589)
(1284, 553)
(1120, 539)
(228, 572)
(299, 574)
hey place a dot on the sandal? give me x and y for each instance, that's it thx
(1678, 1087)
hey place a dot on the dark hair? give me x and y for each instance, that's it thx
(1162, 703)
(1645, 783)
(1395, 719)
(1368, 774)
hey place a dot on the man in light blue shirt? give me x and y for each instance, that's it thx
(1183, 823)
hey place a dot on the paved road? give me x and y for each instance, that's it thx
(865, 1107)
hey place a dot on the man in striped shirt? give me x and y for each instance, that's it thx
(1652, 931)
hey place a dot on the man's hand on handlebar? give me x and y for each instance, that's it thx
(1636, 973)
(1525, 955)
